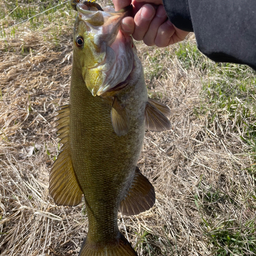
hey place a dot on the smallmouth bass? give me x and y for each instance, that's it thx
(102, 130)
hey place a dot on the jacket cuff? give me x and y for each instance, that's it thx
(179, 14)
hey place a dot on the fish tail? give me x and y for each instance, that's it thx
(119, 247)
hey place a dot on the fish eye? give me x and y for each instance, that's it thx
(79, 41)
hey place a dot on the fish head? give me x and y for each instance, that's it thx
(104, 53)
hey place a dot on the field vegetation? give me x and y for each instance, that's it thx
(203, 169)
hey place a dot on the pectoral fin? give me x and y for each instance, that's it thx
(140, 197)
(160, 106)
(155, 116)
(63, 186)
(119, 118)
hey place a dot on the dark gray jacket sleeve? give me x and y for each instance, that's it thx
(225, 30)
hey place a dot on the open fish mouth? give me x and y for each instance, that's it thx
(110, 52)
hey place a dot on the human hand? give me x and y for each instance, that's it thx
(150, 23)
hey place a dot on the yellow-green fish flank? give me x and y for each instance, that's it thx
(102, 130)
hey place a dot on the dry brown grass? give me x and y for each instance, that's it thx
(189, 165)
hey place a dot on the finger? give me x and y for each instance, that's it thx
(128, 25)
(164, 34)
(159, 19)
(178, 36)
(119, 4)
(142, 21)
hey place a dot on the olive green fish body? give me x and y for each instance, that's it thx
(104, 162)
(102, 130)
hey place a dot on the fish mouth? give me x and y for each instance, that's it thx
(116, 62)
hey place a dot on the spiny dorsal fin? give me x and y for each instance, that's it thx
(119, 118)
(63, 186)
(140, 197)
(155, 119)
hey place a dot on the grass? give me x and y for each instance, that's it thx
(32, 13)
(20, 10)
(203, 169)
(227, 233)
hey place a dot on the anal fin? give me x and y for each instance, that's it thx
(140, 197)
(155, 116)
(63, 185)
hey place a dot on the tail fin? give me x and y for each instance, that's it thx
(120, 247)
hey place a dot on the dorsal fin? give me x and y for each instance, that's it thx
(119, 118)
(140, 196)
(155, 119)
(63, 185)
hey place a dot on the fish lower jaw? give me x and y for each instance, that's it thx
(99, 91)
(106, 88)
(103, 91)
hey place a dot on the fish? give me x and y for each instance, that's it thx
(102, 130)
